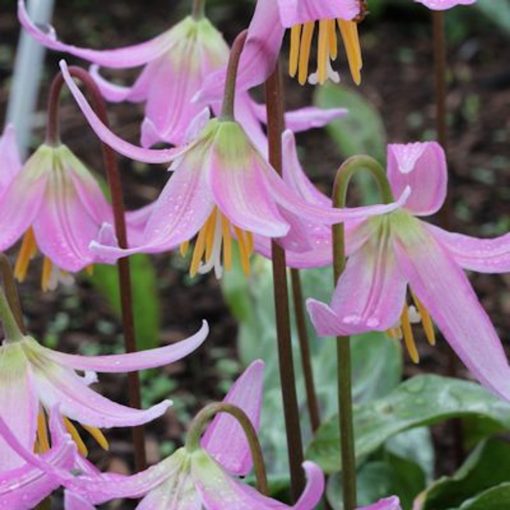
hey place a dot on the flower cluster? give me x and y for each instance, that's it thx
(223, 195)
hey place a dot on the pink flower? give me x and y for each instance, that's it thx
(33, 379)
(176, 64)
(265, 39)
(221, 187)
(10, 161)
(441, 5)
(399, 251)
(199, 477)
(22, 488)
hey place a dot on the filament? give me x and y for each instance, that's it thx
(26, 253)
(407, 331)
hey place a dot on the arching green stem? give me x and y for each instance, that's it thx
(227, 109)
(344, 373)
(11, 291)
(198, 10)
(200, 422)
(10, 326)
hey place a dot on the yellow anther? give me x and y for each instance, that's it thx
(350, 37)
(26, 254)
(198, 252)
(227, 243)
(244, 249)
(426, 321)
(407, 331)
(210, 229)
(304, 51)
(46, 274)
(395, 333)
(76, 437)
(333, 43)
(183, 248)
(43, 443)
(98, 435)
(295, 39)
(90, 269)
(323, 52)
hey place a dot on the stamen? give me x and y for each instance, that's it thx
(210, 229)
(407, 330)
(46, 278)
(26, 254)
(98, 435)
(227, 243)
(350, 37)
(428, 325)
(304, 51)
(333, 43)
(198, 251)
(183, 248)
(323, 52)
(245, 248)
(395, 333)
(43, 443)
(90, 270)
(295, 40)
(76, 437)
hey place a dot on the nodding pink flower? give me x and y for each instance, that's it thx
(24, 487)
(266, 34)
(200, 476)
(402, 252)
(33, 379)
(177, 63)
(222, 187)
(441, 5)
(392, 503)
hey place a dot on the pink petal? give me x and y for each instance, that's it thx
(121, 363)
(262, 47)
(172, 496)
(111, 139)
(475, 254)
(369, 295)
(221, 492)
(10, 160)
(392, 503)
(21, 201)
(422, 167)
(447, 294)
(59, 385)
(311, 117)
(73, 501)
(294, 12)
(224, 439)
(241, 192)
(18, 403)
(440, 5)
(130, 56)
(118, 94)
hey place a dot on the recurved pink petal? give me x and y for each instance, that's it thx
(294, 12)
(422, 167)
(221, 492)
(242, 194)
(447, 294)
(120, 363)
(369, 294)
(59, 385)
(224, 439)
(74, 501)
(10, 161)
(107, 136)
(129, 56)
(117, 93)
(392, 503)
(475, 254)
(18, 404)
(441, 5)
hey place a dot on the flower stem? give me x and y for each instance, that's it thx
(227, 108)
(11, 291)
(304, 346)
(275, 123)
(344, 373)
(114, 183)
(205, 415)
(198, 9)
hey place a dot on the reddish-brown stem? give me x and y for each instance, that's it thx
(114, 183)
(304, 346)
(275, 123)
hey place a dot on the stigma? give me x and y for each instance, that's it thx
(214, 244)
(413, 314)
(301, 38)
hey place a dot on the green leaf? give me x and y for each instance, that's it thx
(145, 297)
(497, 498)
(362, 130)
(487, 466)
(498, 12)
(420, 401)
